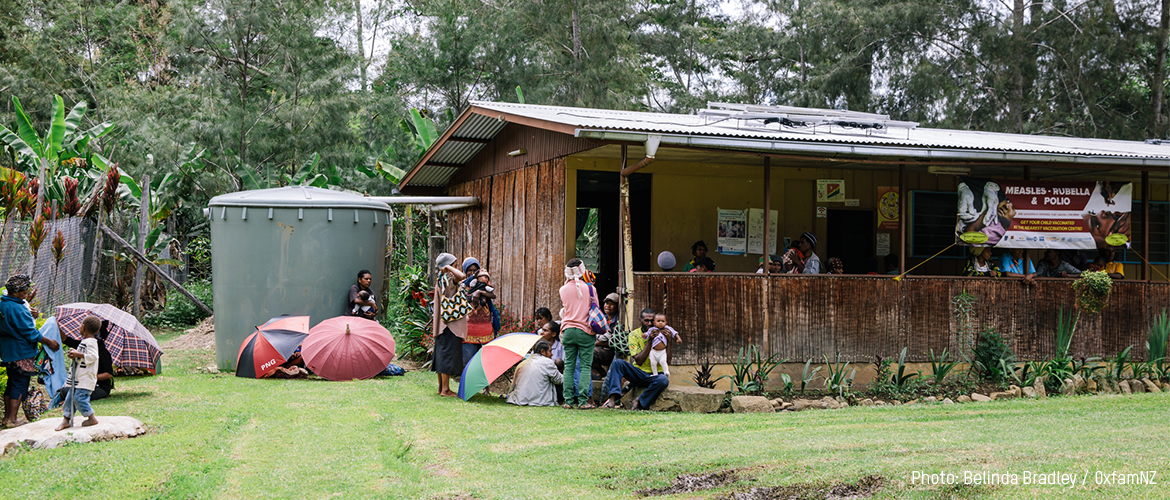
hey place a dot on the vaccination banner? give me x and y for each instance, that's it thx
(1076, 215)
(732, 232)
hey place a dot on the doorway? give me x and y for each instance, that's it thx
(851, 235)
(597, 199)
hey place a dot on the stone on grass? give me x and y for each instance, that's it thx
(786, 406)
(1029, 392)
(42, 434)
(996, 396)
(865, 402)
(1137, 386)
(1068, 388)
(1038, 386)
(1124, 386)
(1103, 385)
(965, 399)
(751, 404)
(1078, 382)
(1150, 385)
(807, 404)
(930, 399)
(1091, 386)
(777, 403)
(979, 398)
(1015, 391)
(948, 401)
(879, 403)
(683, 398)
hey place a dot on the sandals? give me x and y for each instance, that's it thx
(587, 406)
(567, 406)
(608, 405)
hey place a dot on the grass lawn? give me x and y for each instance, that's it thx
(219, 436)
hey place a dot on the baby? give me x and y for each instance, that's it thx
(83, 376)
(360, 310)
(658, 345)
(482, 285)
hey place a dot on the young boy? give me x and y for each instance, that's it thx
(83, 379)
(658, 346)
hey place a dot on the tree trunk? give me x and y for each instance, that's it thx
(143, 227)
(1016, 108)
(361, 43)
(1156, 86)
(576, 36)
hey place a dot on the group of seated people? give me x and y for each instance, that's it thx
(538, 380)
(799, 258)
(1015, 263)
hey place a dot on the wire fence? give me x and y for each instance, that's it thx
(56, 283)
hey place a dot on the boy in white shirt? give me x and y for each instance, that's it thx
(83, 378)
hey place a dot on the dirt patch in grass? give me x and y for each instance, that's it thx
(864, 488)
(687, 483)
(200, 337)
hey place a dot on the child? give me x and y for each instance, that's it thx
(540, 318)
(658, 346)
(481, 286)
(83, 378)
(360, 310)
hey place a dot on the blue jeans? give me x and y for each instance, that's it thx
(623, 369)
(81, 396)
(578, 358)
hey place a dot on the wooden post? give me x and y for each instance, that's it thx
(409, 238)
(1146, 224)
(627, 275)
(766, 336)
(903, 221)
(430, 244)
(143, 228)
(157, 270)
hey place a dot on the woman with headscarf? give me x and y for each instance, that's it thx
(18, 345)
(980, 263)
(448, 335)
(481, 320)
(577, 297)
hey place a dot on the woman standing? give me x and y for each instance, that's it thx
(18, 345)
(448, 335)
(480, 326)
(577, 297)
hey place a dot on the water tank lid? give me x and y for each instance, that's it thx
(297, 197)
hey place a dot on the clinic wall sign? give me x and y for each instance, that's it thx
(1011, 213)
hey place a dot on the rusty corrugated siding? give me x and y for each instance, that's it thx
(859, 317)
(541, 145)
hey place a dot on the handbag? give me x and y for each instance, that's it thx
(453, 307)
(43, 362)
(597, 320)
(35, 404)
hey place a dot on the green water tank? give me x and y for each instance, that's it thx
(291, 250)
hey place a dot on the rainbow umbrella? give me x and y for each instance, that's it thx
(492, 360)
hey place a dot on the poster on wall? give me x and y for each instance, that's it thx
(732, 232)
(889, 207)
(830, 190)
(755, 242)
(1077, 215)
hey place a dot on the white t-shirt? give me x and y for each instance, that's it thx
(86, 367)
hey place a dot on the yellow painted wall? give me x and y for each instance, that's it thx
(685, 197)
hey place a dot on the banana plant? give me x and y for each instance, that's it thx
(59, 147)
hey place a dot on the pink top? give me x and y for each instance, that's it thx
(575, 310)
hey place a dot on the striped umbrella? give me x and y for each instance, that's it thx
(272, 344)
(495, 358)
(130, 344)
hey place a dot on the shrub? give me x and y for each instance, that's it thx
(992, 352)
(1156, 345)
(181, 312)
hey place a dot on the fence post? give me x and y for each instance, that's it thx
(143, 227)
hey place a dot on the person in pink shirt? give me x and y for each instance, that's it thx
(577, 296)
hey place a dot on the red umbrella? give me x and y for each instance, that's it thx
(347, 348)
(272, 344)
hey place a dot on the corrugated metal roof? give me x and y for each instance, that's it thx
(713, 132)
(695, 125)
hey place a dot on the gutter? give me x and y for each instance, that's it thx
(437, 203)
(834, 149)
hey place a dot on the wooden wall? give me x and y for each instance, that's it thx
(515, 233)
(541, 145)
(862, 316)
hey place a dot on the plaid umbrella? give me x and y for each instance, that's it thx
(130, 344)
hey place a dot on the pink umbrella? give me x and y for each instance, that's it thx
(347, 348)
